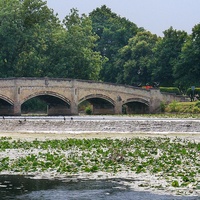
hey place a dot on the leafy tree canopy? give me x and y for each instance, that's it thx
(167, 52)
(137, 59)
(102, 46)
(35, 43)
(114, 33)
(187, 68)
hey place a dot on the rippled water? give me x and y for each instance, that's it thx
(25, 188)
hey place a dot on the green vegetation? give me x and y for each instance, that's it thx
(34, 43)
(88, 110)
(183, 107)
(174, 90)
(102, 46)
(175, 160)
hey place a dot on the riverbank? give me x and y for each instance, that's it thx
(102, 124)
(161, 162)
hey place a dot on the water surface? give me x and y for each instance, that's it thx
(26, 188)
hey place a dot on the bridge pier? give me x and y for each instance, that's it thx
(155, 101)
(17, 109)
(118, 107)
(17, 102)
(74, 108)
(74, 99)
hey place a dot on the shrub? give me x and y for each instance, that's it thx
(173, 106)
(183, 107)
(195, 109)
(197, 104)
(88, 110)
(170, 90)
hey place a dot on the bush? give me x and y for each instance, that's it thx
(173, 106)
(88, 110)
(183, 107)
(195, 109)
(170, 90)
(197, 104)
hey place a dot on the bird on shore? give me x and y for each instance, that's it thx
(3, 117)
(64, 118)
(71, 118)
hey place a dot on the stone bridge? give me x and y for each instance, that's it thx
(64, 96)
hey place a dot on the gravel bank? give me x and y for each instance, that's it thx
(107, 126)
(60, 129)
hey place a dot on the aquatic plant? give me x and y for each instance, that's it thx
(176, 160)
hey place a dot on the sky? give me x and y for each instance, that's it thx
(153, 15)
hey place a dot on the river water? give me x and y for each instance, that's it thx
(26, 188)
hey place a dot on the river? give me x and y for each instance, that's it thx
(25, 188)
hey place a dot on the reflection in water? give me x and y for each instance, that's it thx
(25, 188)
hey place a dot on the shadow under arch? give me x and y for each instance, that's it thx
(136, 106)
(98, 104)
(6, 106)
(47, 93)
(53, 103)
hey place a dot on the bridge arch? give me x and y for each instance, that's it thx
(6, 105)
(136, 106)
(139, 100)
(99, 103)
(48, 93)
(6, 99)
(100, 96)
(56, 104)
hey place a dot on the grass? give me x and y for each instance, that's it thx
(183, 107)
(170, 115)
(175, 160)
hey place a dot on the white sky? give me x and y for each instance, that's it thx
(154, 15)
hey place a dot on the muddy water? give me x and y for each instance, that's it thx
(26, 188)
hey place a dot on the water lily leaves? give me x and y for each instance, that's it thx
(175, 159)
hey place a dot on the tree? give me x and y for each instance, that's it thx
(35, 43)
(75, 49)
(39, 23)
(114, 33)
(137, 59)
(25, 31)
(167, 52)
(11, 34)
(187, 68)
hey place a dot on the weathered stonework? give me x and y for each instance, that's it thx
(16, 91)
